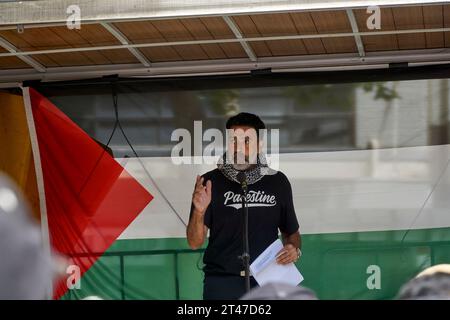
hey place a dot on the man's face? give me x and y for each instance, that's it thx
(244, 146)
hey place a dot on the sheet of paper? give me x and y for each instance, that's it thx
(265, 268)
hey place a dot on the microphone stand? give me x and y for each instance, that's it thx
(246, 251)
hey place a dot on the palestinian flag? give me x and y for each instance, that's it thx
(87, 198)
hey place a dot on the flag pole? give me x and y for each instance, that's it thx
(40, 181)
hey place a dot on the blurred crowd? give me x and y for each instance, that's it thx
(26, 271)
(431, 284)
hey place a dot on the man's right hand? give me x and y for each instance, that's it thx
(201, 197)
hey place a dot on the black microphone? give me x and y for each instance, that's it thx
(242, 178)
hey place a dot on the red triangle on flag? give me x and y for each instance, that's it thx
(91, 199)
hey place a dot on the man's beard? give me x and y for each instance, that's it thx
(243, 166)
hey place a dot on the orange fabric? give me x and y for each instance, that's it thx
(16, 156)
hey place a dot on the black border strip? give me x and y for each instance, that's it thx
(257, 78)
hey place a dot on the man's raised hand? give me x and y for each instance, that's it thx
(201, 198)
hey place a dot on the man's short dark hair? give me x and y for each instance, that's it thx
(246, 119)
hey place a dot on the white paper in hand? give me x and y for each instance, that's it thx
(265, 268)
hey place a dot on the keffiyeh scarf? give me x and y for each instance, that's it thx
(253, 175)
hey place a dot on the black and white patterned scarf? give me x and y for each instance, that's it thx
(253, 175)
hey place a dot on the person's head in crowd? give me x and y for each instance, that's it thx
(431, 284)
(92, 298)
(25, 268)
(279, 291)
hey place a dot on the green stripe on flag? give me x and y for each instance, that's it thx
(334, 265)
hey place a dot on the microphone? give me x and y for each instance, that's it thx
(242, 178)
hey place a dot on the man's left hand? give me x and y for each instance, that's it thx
(287, 255)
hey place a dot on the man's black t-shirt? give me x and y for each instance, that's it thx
(270, 208)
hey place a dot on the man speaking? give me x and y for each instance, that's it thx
(216, 205)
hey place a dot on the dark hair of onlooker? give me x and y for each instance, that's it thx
(434, 286)
(280, 291)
